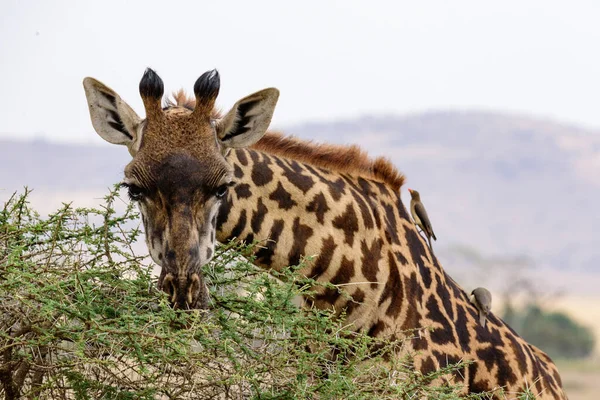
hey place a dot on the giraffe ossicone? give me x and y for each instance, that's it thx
(200, 177)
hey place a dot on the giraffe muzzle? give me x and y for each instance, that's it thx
(186, 293)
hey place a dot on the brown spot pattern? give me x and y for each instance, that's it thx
(261, 172)
(301, 235)
(294, 174)
(370, 260)
(265, 254)
(323, 261)
(243, 191)
(258, 216)
(348, 223)
(283, 197)
(393, 290)
(319, 206)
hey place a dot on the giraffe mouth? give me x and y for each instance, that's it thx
(187, 293)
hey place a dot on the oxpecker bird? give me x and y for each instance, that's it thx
(482, 299)
(419, 214)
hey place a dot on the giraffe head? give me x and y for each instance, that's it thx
(179, 174)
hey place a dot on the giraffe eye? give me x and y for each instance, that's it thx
(135, 193)
(221, 191)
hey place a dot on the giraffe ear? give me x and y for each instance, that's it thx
(248, 120)
(112, 118)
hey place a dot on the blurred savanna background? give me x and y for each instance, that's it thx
(490, 110)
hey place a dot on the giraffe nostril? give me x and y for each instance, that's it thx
(171, 255)
(168, 286)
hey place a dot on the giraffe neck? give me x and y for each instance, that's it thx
(350, 224)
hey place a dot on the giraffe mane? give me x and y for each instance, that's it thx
(341, 158)
(344, 159)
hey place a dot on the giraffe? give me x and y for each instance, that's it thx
(200, 177)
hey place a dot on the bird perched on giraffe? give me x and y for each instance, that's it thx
(482, 299)
(419, 214)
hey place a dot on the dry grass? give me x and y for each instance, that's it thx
(581, 378)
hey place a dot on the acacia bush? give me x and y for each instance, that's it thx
(81, 318)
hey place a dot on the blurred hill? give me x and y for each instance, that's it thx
(501, 184)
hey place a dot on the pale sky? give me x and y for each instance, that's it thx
(330, 59)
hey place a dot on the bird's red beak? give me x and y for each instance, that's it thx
(409, 190)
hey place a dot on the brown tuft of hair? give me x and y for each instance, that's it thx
(346, 159)
(180, 99)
